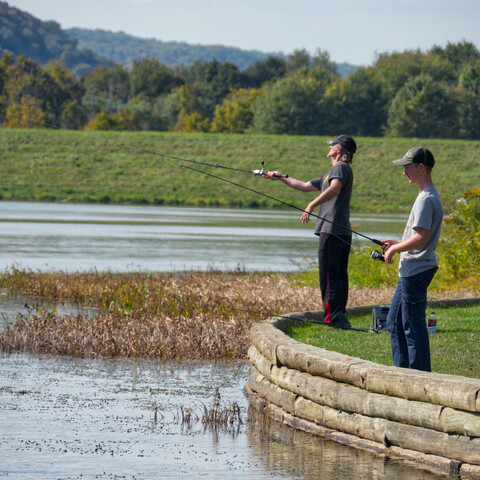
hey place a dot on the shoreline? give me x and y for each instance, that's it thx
(164, 316)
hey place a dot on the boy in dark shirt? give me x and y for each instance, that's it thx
(332, 226)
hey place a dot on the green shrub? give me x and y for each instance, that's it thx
(459, 248)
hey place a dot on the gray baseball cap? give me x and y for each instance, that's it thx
(416, 155)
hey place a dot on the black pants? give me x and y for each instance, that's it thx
(333, 252)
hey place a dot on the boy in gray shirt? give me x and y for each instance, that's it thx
(418, 265)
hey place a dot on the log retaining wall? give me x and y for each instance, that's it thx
(431, 417)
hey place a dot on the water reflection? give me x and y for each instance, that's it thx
(297, 454)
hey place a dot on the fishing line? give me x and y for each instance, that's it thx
(377, 242)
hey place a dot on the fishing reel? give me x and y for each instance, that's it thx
(263, 172)
(259, 172)
(376, 255)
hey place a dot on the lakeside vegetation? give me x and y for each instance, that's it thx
(205, 316)
(110, 167)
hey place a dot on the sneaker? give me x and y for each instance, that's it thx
(341, 321)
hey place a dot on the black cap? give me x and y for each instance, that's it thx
(345, 141)
(416, 155)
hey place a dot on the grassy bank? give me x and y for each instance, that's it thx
(195, 316)
(455, 346)
(51, 165)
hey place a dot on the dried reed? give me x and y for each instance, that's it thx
(218, 414)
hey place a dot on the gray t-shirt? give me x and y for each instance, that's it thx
(427, 213)
(336, 210)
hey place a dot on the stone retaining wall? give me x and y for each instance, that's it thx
(432, 417)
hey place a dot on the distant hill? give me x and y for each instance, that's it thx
(123, 48)
(345, 69)
(24, 34)
(82, 49)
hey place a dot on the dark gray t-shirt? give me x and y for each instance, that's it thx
(336, 210)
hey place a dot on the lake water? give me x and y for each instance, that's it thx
(69, 237)
(65, 418)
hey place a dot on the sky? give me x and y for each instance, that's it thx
(352, 31)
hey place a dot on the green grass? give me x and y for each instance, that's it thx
(56, 165)
(455, 346)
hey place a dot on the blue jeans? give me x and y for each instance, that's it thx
(406, 322)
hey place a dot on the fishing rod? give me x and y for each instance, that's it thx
(375, 254)
(377, 242)
(217, 165)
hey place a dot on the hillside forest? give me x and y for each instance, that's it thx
(432, 94)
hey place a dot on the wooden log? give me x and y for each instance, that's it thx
(273, 394)
(322, 362)
(365, 427)
(458, 421)
(265, 338)
(447, 390)
(299, 356)
(261, 363)
(468, 470)
(457, 447)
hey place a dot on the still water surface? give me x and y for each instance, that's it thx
(64, 418)
(68, 237)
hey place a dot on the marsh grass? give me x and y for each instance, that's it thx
(218, 414)
(162, 316)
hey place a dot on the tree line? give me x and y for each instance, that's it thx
(433, 94)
